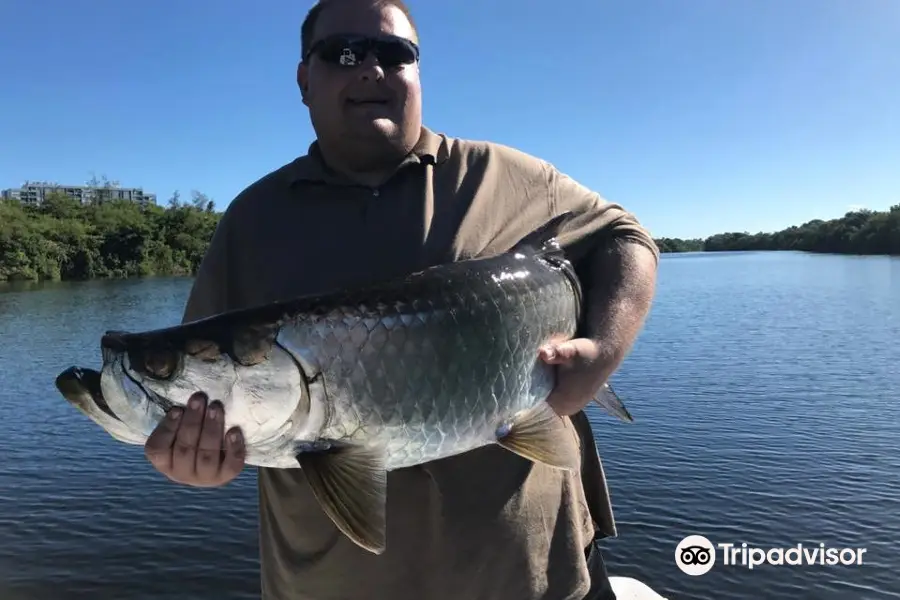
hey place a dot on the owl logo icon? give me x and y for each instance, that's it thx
(695, 555)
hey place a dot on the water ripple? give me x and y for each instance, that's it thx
(765, 390)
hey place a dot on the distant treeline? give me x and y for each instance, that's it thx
(64, 239)
(857, 232)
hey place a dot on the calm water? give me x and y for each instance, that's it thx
(765, 387)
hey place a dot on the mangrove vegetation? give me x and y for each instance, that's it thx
(857, 232)
(64, 239)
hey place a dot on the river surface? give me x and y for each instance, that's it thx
(765, 388)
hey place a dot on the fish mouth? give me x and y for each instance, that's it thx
(82, 386)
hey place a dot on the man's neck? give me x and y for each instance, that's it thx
(367, 177)
(370, 173)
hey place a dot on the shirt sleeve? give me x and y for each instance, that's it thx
(209, 293)
(596, 220)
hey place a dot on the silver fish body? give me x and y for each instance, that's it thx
(351, 385)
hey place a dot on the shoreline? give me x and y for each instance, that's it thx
(23, 282)
(63, 240)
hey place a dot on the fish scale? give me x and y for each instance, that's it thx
(411, 387)
(353, 384)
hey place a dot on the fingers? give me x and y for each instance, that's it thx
(190, 447)
(184, 451)
(233, 462)
(548, 354)
(158, 447)
(566, 352)
(209, 447)
(557, 354)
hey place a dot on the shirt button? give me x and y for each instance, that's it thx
(376, 193)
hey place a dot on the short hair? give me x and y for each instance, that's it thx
(308, 29)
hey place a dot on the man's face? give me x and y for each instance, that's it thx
(353, 95)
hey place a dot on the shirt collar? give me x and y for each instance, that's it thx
(431, 148)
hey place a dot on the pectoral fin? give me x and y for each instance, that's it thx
(350, 483)
(540, 435)
(607, 398)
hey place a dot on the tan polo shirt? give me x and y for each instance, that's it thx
(486, 525)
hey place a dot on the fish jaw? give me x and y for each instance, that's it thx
(81, 388)
(129, 400)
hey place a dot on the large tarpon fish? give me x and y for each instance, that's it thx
(353, 384)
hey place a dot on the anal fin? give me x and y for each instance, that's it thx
(350, 484)
(540, 435)
(607, 398)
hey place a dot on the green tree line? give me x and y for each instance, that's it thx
(65, 239)
(857, 232)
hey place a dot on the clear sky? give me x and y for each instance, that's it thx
(700, 116)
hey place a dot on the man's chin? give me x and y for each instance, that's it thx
(375, 127)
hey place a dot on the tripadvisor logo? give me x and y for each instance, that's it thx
(696, 555)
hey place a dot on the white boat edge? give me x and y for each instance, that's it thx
(627, 588)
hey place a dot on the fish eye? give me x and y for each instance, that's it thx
(159, 363)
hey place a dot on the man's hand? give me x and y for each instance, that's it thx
(621, 280)
(190, 447)
(581, 368)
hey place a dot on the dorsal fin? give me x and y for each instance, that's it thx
(543, 240)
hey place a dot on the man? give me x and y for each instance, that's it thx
(379, 195)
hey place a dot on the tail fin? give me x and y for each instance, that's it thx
(607, 398)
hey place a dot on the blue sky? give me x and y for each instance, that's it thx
(700, 116)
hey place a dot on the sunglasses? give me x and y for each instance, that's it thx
(348, 51)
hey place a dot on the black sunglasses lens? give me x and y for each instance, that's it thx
(342, 52)
(350, 52)
(394, 53)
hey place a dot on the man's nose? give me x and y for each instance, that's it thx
(371, 68)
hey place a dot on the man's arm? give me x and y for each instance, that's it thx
(617, 261)
(620, 287)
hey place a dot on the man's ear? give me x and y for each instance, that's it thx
(303, 80)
